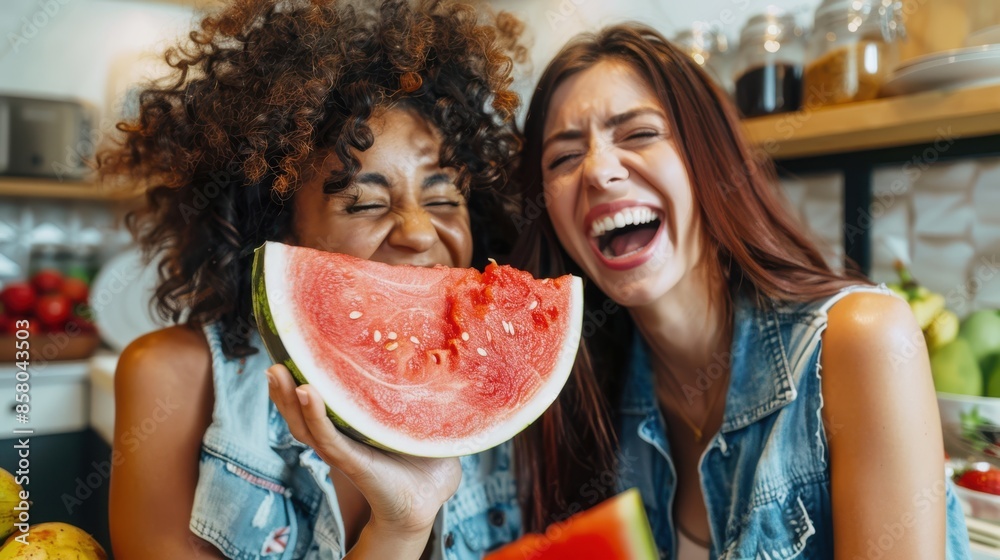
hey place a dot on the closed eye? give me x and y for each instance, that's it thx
(358, 208)
(443, 203)
(642, 134)
(560, 160)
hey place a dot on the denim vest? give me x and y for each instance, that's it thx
(765, 476)
(263, 494)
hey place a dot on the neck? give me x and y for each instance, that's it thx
(690, 328)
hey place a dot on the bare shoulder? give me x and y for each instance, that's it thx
(177, 348)
(867, 327)
(163, 405)
(881, 420)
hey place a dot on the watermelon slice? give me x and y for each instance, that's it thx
(435, 362)
(615, 529)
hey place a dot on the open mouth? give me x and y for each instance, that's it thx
(626, 232)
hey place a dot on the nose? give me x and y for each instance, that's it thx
(603, 169)
(414, 231)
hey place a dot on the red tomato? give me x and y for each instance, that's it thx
(980, 481)
(75, 289)
(53, 309)
(18, 298)
(47, 281)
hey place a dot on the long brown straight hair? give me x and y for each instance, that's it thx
(565, 459)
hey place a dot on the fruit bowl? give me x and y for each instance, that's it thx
(971, 426)
(976, 503)
(59, 346)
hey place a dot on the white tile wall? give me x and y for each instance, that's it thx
(817, 200)
(944, 219)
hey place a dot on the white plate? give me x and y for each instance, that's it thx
(961, 68)
(121, 297)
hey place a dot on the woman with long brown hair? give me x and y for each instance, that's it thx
(767, 407)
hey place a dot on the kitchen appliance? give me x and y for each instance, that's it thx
(45, 137)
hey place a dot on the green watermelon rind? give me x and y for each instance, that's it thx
(276, 350)
(640, 533)
(269, 333)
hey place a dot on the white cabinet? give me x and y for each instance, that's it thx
(58, 398)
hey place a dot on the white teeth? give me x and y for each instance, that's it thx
(627, 217)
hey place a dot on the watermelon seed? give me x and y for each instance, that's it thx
(391, 335)
(489, 337)
(378, 336)
(481, 351)
(533, 305)
(355, 315)
(465, 336)
(392, 346)
(414, 340)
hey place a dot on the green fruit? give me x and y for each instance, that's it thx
(982, 331)
(955, 369)
(942, 330)
(993, 377)
(926, 307)
(898, 290)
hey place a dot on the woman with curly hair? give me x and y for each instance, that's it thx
(765, 405)
(381, 132)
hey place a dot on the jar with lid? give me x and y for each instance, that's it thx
(709, 47)
(768, 71)
(853, 50)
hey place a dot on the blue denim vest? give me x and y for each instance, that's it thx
(263, 494)
(765, 475)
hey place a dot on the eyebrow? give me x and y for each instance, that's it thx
(613, 121)
(380, 180)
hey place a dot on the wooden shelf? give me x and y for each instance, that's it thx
(880, 123)
(52, 188)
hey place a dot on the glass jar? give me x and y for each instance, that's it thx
(852, 52)
(709, 47)
(768, 71)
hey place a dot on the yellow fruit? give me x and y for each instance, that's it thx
(53, 541)
(942, 330)
(10, 496)
(925, 307)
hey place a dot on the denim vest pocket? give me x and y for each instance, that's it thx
(244, 513)
(778, 530)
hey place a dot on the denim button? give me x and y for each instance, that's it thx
(497, 518)
(449, 540)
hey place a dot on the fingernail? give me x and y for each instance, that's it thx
(270, 379)
(303, 396)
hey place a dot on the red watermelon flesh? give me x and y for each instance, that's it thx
(616, 529)
(427, 361)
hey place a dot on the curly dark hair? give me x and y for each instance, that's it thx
(262, 87)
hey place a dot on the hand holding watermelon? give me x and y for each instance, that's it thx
(404, 492)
